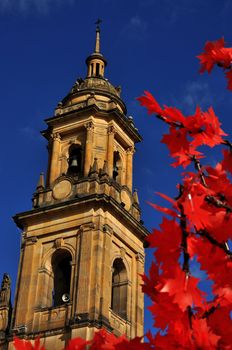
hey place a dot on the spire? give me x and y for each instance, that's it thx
(96, 62)
(97, 44)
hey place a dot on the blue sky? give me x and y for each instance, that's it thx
(149, 44)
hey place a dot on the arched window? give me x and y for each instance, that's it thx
(62, 275)
(117, 167)
(119, 288)
(75, 160)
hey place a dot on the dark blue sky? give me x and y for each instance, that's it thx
(149, 45)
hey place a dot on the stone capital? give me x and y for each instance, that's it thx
(111, 130)
(89, 126)
(31, 240)
(107, 229)
(140, 258)
(130, 150)
(55, 136)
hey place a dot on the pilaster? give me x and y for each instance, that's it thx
(88, 147)
(54, 157)
(110, 149)
(129, 167)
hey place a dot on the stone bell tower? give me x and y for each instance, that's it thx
(82, 243)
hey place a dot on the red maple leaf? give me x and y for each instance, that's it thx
(133, 344)
(164, 310)
(204, 128)
(220, 322)
(167, 240)
(150, 103)
(77, 344)
(151, 282)
(164, 210)
(215, 53)
(21, 344)
(183, 288)
(203, 336)
(227, 161)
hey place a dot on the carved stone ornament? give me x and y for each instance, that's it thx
(111, 129)
(89, 126)
(62, 189)
(5, 290)
(130, 150)
(59, 242)
(55, 136)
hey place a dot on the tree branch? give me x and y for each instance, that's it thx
(184, 243)
(212, 240)
(198, 167)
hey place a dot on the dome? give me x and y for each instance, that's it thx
(95, 83)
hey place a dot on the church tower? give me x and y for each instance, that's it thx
(82, 243)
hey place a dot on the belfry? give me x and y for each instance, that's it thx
(82, 249)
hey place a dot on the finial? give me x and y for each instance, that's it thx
(135, 197)
(40, 185)
(105, 172)
(97, 44)
(94, 169)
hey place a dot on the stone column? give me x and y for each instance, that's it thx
(140, 295)
(110, 150)
(129, 167)
(106, 274)
(27, 284)
(88, 147)
(54, 169)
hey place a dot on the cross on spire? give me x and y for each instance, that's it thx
(98, 22)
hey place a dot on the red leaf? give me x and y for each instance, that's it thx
(21, 344)
(184, 290)
(164, 210)
(168, 244)
(203, 336)
(77, 344)
(227, 161)
(150, 103)
(215, 53)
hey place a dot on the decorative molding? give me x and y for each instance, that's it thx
(122, 252)
(31, 240)
(87, 227)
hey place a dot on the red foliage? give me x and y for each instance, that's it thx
(215, 53)
(21, 344)
(185, 133)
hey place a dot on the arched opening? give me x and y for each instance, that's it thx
(75, 160)
(97, 69)
(119, 288)
(117, 167)
(61, 267)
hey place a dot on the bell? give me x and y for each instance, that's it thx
(73, 164)
(115, 172)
